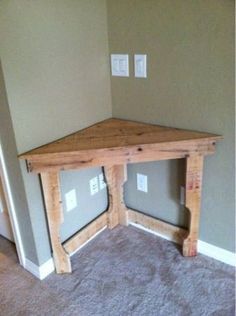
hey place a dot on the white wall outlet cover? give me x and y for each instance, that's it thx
(120, 65)
(140, 66)
(71, 201)
(142, 183)
(102, 183)
(93, 183)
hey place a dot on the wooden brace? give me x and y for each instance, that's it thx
(116, 176)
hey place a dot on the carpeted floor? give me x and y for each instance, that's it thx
(123, 272)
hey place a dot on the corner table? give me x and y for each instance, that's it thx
(113, 144)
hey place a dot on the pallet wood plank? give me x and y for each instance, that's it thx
(116, 133)
(120, 155)
(52, 198)
(194, 171)
(171, 232)
(116, 176)
(85, 234)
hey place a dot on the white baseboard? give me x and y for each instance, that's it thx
(40, 272)
(204, 248)
(217, 253)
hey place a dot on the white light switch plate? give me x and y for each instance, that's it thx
(71, 201)
(102, 183)
(140, 66)
(120, 65)
(93, 183)
(142, 184)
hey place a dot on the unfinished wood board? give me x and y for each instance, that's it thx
(115, 135)
(171, 232)
(194, 170)
(52, 198)
(85, 234)
(116, 175)
(115, 156)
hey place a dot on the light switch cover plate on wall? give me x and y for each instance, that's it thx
(120, 65)
(93, 183)
(102, 183)
(140, 66)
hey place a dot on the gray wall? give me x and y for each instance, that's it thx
(190, 84)
(163, 197)
(56, 68)
(89, 206)
(8, 145)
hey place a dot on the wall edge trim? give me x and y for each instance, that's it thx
(11, 209)
(42, 271)
(217, 253)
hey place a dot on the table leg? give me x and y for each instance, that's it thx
(194, 170)
(116, 176)
(52, 198)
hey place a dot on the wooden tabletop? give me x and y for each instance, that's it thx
(116, 135)
(113, 133)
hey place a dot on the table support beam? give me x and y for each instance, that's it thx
(168, 231)
(194, 171)
(52, 198)
(85, 234)
(116, 176)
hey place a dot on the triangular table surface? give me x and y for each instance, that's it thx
(114, 133)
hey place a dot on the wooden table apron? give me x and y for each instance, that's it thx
(114, 160)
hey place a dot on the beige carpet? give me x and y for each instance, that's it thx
(122, 272)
